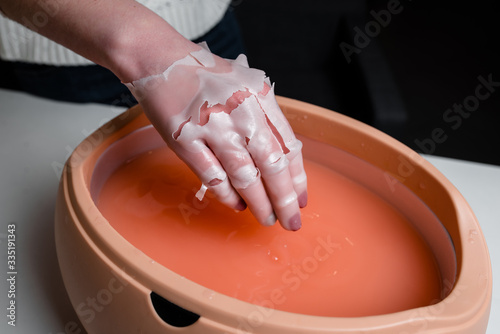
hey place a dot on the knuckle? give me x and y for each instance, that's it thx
(244, 176)
(213, 173)
(274, 163)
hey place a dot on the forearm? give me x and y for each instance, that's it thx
(121, 35)
(218, 115)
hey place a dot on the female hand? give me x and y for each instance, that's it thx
(222, 119)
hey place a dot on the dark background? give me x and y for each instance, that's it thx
(427, 58)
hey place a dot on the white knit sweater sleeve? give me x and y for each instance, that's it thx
(191, 18)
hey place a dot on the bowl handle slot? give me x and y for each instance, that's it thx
(171, 313)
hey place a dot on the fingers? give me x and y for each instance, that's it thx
(253, 170)
(267, 168)
(231, 175)
(298, 173)
(246, 180)
(290, 146)
(212, 175)
(277, 180)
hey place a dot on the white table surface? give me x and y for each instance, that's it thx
(36, 137)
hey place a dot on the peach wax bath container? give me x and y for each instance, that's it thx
(132, 277)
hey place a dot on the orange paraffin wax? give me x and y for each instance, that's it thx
(355, 255)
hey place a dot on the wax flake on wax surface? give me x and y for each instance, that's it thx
(201, 193)
(343, 262)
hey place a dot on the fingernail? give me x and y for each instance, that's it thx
(271, 220)
(241, 206)
(303, 199)
(295, 223)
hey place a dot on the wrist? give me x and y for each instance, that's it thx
(145, 46)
